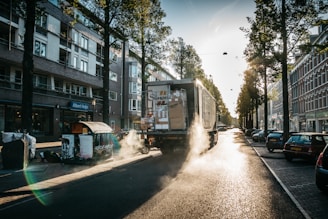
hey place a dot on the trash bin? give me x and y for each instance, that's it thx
(15, 154)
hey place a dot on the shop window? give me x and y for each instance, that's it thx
(41, 121)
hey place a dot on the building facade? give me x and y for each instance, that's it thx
(309, 87)
(68, 78)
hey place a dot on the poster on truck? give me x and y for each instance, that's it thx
(158, 101)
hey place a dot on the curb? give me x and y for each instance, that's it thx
(298, 205)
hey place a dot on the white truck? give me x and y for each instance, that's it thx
(171, 108)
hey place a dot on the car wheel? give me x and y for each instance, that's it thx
(288, 157)
(270, 150)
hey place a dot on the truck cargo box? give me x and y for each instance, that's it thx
(172, 106)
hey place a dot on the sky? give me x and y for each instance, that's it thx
(212, 27)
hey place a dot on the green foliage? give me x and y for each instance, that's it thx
(184, 58)
(142, 22)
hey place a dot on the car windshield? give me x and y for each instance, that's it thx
(300, 139)
(325, 137)
(275, 135)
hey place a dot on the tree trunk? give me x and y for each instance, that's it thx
(106, 67)
(284, 73)
(27, 92)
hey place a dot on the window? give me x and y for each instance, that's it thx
(98, 70)
(40, 48)
(59, 85)
(68, 88)
(75, 62)
(41, 21)
(41, 24)
(133, 70)
(113, 76)
(64, 56)
(112, 95)
(18, 79)
(133, 105)
(84, 42)
(134, 88)
(75, 37)
(40, 81)
(84, 66)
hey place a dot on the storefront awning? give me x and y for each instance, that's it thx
(98, 127)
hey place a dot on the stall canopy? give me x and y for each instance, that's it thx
(98, 127)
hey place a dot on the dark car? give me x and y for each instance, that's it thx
(321, 170)
(260, 137)
(275, 140)
(248, 132)
(307, 145)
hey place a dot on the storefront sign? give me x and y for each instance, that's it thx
(79, 106)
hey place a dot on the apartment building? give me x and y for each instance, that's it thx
(309, 87)
(68, 81)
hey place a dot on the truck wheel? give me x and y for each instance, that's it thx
(144, 150)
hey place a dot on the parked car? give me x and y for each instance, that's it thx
(321, 170)
(307, 145)
(275, 140)
(248, 132)
(259, 136)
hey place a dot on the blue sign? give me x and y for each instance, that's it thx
(79, 106)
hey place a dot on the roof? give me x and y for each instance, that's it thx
(98, 127)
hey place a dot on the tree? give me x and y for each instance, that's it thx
(290, 23)
(248, 98)
(259, 53)
(184, 58)
(296, 18)
(27, 92)
(143, 24)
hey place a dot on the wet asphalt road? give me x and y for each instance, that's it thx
(229, 181)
